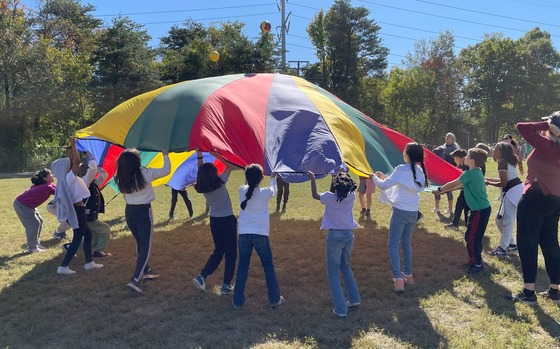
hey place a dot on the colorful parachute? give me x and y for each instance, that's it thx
(285, 123)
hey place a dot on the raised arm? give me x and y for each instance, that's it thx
(314, 193)
(74, 156)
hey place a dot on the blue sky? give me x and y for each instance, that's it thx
(402, 22)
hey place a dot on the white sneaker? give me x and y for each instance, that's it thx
(65, 271)
(448, 211)
(435, 209)
(37, 249)
(92, 265)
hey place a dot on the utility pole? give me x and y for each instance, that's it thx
(299, 67)
(284, 28)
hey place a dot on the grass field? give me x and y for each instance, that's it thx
(445, 309)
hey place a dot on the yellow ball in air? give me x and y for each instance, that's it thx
(214, 56)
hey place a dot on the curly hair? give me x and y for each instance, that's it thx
(342, 184)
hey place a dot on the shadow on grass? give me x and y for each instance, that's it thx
(95, 309)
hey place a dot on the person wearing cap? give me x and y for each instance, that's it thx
(539, 208)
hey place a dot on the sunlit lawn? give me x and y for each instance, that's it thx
(445, 309)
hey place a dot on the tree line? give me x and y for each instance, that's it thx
(61, 70)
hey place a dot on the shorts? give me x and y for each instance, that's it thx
(366, 186)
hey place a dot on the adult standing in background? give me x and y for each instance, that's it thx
(539, 208)
(444, 151)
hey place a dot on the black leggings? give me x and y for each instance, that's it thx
(139, 221)
(224, 234)
(185, 197)
(537, 224)
(460, 206)
(82, 232)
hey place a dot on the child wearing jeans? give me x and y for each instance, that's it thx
(253, 229)
(472, 182)
(402, 191)
(339, 221)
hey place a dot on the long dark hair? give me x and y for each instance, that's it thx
(507, 153)
(415, 153)
(341, 185)
(129, 177)
(207, 179)
(253, 175)
(39, 176)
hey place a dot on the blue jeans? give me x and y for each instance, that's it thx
(339, 250)
(261, 243)
(400, 233)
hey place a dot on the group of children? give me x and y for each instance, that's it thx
(401, 190)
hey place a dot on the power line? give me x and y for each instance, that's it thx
(446, 17)
(212, 18)
(190, 10)
(488, 14)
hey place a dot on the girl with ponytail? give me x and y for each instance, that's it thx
(402, 190)
(253, 229)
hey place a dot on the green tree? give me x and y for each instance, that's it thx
(439, 72)
(493, 74)
(349, 46)
(124, 65)
(406, 100)
(185, 51)
(538, 93)
(67, 23)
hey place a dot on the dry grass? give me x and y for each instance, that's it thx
(445, 309)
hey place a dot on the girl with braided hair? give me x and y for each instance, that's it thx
(253, 230)
(339, 221)
(402, 190)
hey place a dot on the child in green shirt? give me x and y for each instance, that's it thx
(472, 182)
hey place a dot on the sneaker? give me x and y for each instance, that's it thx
(435, 209)
(451, 226)
(226, 289)
(199, 282)
(171, 217)
(337, 314)
(448, 211)
(554, 297)
(237, 306)
(368, 214)
(352, 305)
(408, 279)
(37, 249)
(475, 269)
(134, 286)
(419, 216)
(522, 297)
(399, 285)
(363, 212)
(150, 274)
(59, 235)
(512, 248)
(92, 265)
(280, 302)
(100, 254)
(65, 271)
(498, 251)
